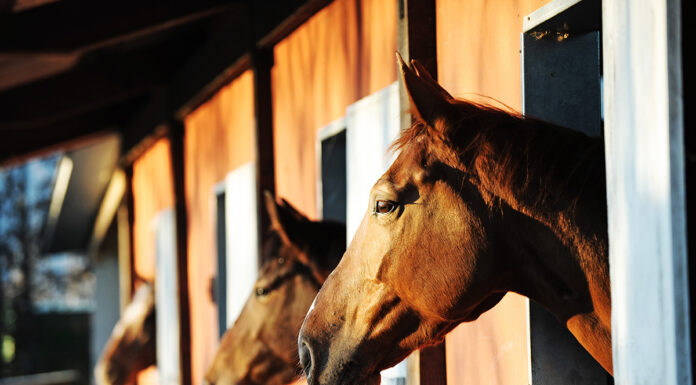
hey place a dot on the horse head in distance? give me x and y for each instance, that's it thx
(132, 346)
(261, 346)
(478, 202)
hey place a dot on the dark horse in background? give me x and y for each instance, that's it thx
(478, 202)
(132, 345)
(261, 346)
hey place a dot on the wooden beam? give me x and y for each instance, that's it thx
(272, 28)
(176, 131)
(416, 39)
(262, 62)
(130, 211)
(125, 261)
(63, 26)
(102, 81)
(417, 33)
(220, 61)
(18, 145)
(217, 62)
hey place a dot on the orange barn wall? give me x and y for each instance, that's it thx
(342, 54)
(478, 44)
(219, 137)
(153, 191)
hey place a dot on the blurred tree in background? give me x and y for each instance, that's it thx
(25, 193)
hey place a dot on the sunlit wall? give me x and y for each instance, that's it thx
(478, 43)
(342, 54)
(219, 137)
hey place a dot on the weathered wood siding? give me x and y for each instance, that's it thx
(218, 139)
(342, 54)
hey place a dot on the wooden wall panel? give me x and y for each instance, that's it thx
(478, 44)
(153, 191)
(478, 47)
(343, 53)
(218, 138)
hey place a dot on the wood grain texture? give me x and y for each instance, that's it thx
(343, 53)
(219, 137)
(478, 45)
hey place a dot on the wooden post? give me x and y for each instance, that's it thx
(176, 145)
(130, 217)
(262, 62)
(644, 149)
(417, 40)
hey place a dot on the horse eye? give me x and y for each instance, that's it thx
(384, 207)
(261, 291)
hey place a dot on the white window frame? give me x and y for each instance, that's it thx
(372, 124)
(241, 218)
(644, 147)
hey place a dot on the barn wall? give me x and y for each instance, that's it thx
(478, 44)
(219, 137)
(153, 191)
(343, 53)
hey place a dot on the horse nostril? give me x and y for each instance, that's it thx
(306, 358)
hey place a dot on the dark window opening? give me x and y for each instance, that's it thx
(562, 84)
(220, 281)
(333, 177)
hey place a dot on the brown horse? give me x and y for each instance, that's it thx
(132, 346)
(478, 202)
(261, 347)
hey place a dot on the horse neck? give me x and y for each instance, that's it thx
(550, 185)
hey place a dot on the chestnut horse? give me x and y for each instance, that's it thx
(261, 346)
(132, 346)
(478, 202)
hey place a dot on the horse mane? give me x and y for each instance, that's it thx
(524, 161)
(484, 116)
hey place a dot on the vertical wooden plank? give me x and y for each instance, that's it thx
(176, 140)
(262, 62)
(417, 40)
(130, 216)
(125, 254)
(644, 136)
(417, 33)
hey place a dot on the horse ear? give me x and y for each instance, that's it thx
(285, 219)
(429, 101)
(292, 211)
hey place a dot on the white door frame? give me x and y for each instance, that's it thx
(645, 191)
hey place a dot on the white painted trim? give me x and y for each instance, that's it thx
(331, 129)
(242, 237)
(645, 191)
(373, 123)
(545, 13)
(218, 188)
(163, 227)
(64, 169)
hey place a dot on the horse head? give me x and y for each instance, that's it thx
(460, 218)
(261, 346)
(132, 346)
